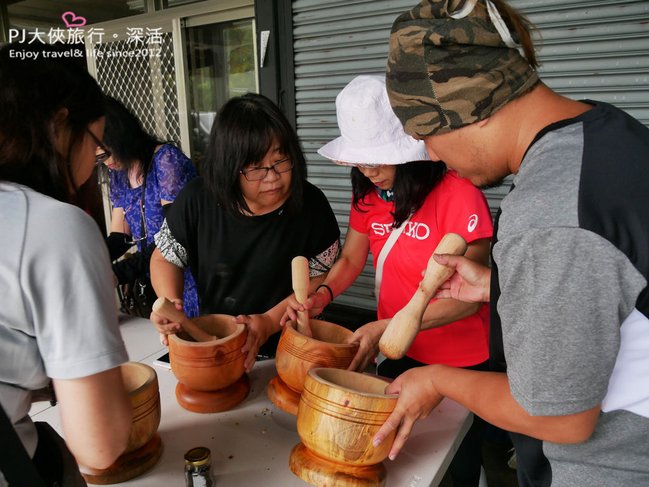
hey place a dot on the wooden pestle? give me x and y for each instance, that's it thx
(404, 325)
(167, 309)
(300, 274)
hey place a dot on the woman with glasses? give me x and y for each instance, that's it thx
(58, 321)
(240, 224)
(145, 174)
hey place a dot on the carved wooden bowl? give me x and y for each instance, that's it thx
(144, 444)
(211, 375)
(298, 353)
(142, 383)
(339, 413)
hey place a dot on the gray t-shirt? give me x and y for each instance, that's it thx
(59, 318)
(571, 257)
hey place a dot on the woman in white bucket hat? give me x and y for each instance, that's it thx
(398, 191)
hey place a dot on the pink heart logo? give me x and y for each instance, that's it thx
(70, 19)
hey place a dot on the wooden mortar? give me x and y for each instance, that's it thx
(298, 353)
(144, 445)
(340, 411)
(211, 374)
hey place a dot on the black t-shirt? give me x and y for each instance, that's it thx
(242, 265)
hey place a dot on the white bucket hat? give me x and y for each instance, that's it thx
(370, 132)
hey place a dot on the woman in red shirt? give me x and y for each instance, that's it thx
(397, 190)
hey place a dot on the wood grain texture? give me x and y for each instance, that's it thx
(213, 401)
(300, 281)
(208, 366)
(405, 324)
(141, 382)
(320, 472)
(144, 444)
(340, 411)
(283, 396)
(298, 353)
(127, 466)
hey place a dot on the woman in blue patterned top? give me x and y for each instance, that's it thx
(139, 163)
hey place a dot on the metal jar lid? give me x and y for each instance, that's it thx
(198, 456)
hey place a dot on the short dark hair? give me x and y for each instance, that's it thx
(32, 91)
(126, 138)
(413, 182)
(242, 133)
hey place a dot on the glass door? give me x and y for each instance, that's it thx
(221, 63)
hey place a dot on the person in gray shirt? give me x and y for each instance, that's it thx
(59, 319)
(570, 256)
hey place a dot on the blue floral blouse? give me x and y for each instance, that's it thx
(170, 170)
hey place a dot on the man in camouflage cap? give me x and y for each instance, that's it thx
(570, 261)
(448, 68)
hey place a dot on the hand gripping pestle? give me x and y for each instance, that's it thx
(404, 325)
(300, 275)
(167, 309)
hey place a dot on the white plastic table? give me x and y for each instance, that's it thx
(251, 444)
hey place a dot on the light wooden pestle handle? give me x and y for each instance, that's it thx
(167, 309)
(300, 276)
(404, 325)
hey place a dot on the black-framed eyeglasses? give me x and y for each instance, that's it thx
(259, 173)
(104, 156)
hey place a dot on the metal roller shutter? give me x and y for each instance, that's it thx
(594, 49)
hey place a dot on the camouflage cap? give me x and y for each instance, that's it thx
(446, 72)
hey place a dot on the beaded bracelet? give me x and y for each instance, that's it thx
(331, 293)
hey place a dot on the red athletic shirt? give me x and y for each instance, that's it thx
(454, 205)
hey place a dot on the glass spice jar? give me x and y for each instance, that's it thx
(198, 467)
